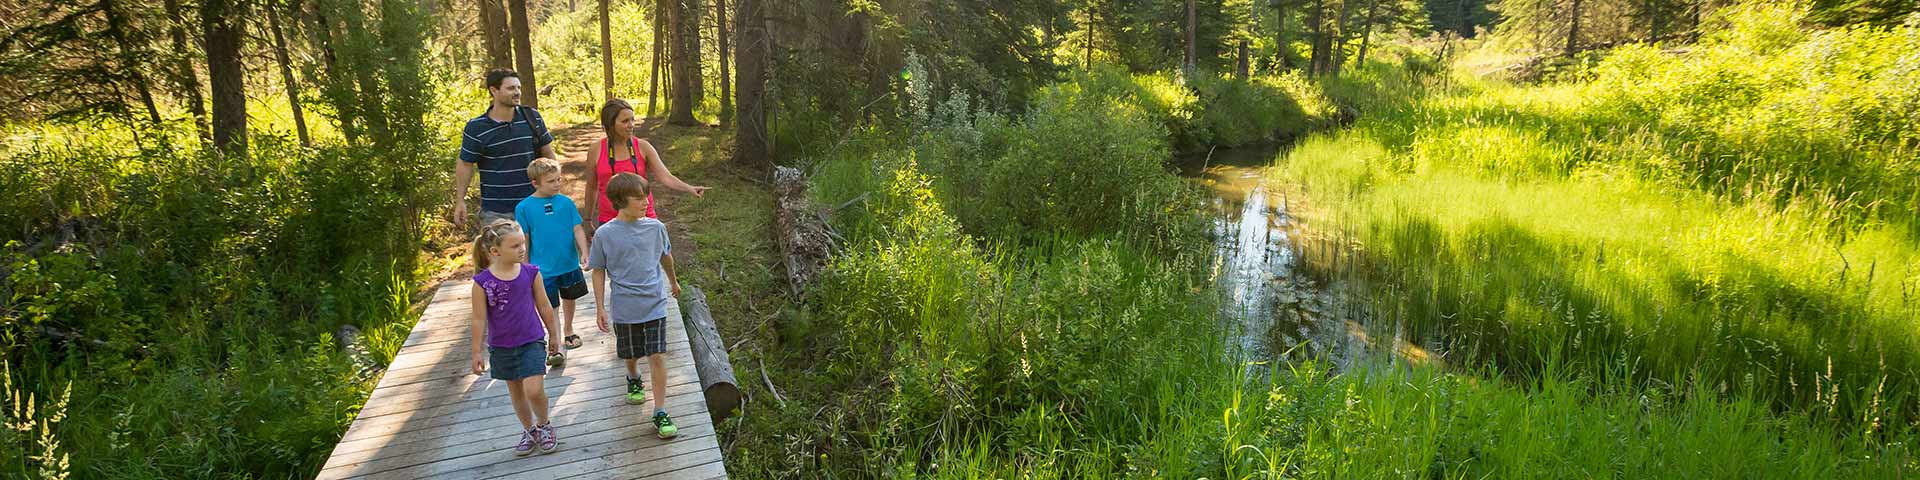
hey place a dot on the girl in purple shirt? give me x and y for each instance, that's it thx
(514, 323)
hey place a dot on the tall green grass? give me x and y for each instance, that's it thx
(1713, 221)
(945, 343)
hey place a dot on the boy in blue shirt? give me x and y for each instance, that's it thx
(555, 240)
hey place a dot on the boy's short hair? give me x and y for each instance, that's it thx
(498, 75)
(541, 167)
(626, 187)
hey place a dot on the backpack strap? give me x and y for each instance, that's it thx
(539, 128)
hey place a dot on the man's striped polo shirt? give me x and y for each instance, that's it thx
(501, 151)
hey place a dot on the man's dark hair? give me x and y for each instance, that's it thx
(495, 76)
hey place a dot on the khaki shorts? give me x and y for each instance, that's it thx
(485, 217)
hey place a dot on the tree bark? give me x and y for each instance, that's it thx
(751, 55)
(710, 363)
(1192, 57)
(187, 80)
(1340, 33)
(1322, 42)
(117, 26)
(495, 33)
(1373, 8)
(669, 44)
(286, 72)
(659, 51)
(726, 75)
(226, 75)
(1280, 35)
(1573, 29)
(696, 55)
(606, 48)
(1090, 31)
(1241, 67)
(683, 21)
(523, 53)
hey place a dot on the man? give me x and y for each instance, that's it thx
(499, 144)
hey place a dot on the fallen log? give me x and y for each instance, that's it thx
(804, 238)
(709, 356)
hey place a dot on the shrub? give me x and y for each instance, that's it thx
(1075, 165)
(1240, 112)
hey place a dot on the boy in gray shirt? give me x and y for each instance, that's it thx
(634, 251)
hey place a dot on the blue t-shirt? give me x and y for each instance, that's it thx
(549, 225)
(501, 151)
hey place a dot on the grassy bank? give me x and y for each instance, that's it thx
(979, 323)
(1710, 221)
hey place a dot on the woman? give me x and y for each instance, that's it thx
(620, 152)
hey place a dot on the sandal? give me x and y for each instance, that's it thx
(573, 341)
(556, 358)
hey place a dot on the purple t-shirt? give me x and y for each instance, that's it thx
(512, 318)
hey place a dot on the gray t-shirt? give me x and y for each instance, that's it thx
(630, 254)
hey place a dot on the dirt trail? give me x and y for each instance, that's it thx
(580, 144)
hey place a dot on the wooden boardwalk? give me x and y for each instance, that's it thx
(431, 417)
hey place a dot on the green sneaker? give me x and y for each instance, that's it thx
(664, 425)
(636, 391)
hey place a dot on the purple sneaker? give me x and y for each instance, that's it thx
(548, 440)
(526, 443)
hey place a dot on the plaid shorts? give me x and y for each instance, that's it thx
(639, 340)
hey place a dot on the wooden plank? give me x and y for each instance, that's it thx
(429, 416)
(409, 367)
(501, 461)
(600, 427)
(605, 414)
(457, 324)
(439, 317)
(694, 444)
(431, 425)
(458, 342)
(459, 377)
(495, 391)
(456, 366)
(711, 471)
(638, 464)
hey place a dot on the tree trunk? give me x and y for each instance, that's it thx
(751, 54)
(1192, 57)
(1322, 42)
(226, 75)
(696, 13)
(1284, 59)
(129, 58)
(669, 44)
(606, 48)
(659, 51)
(1241, 67)
(286, 72)
(1373, 8)
(1466, 20)
(1340, 34)
(184, 76)
(495, 33)
(726, 75)
(1090, 32)
(1573, 29)
(683, 21)
(523, 53)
